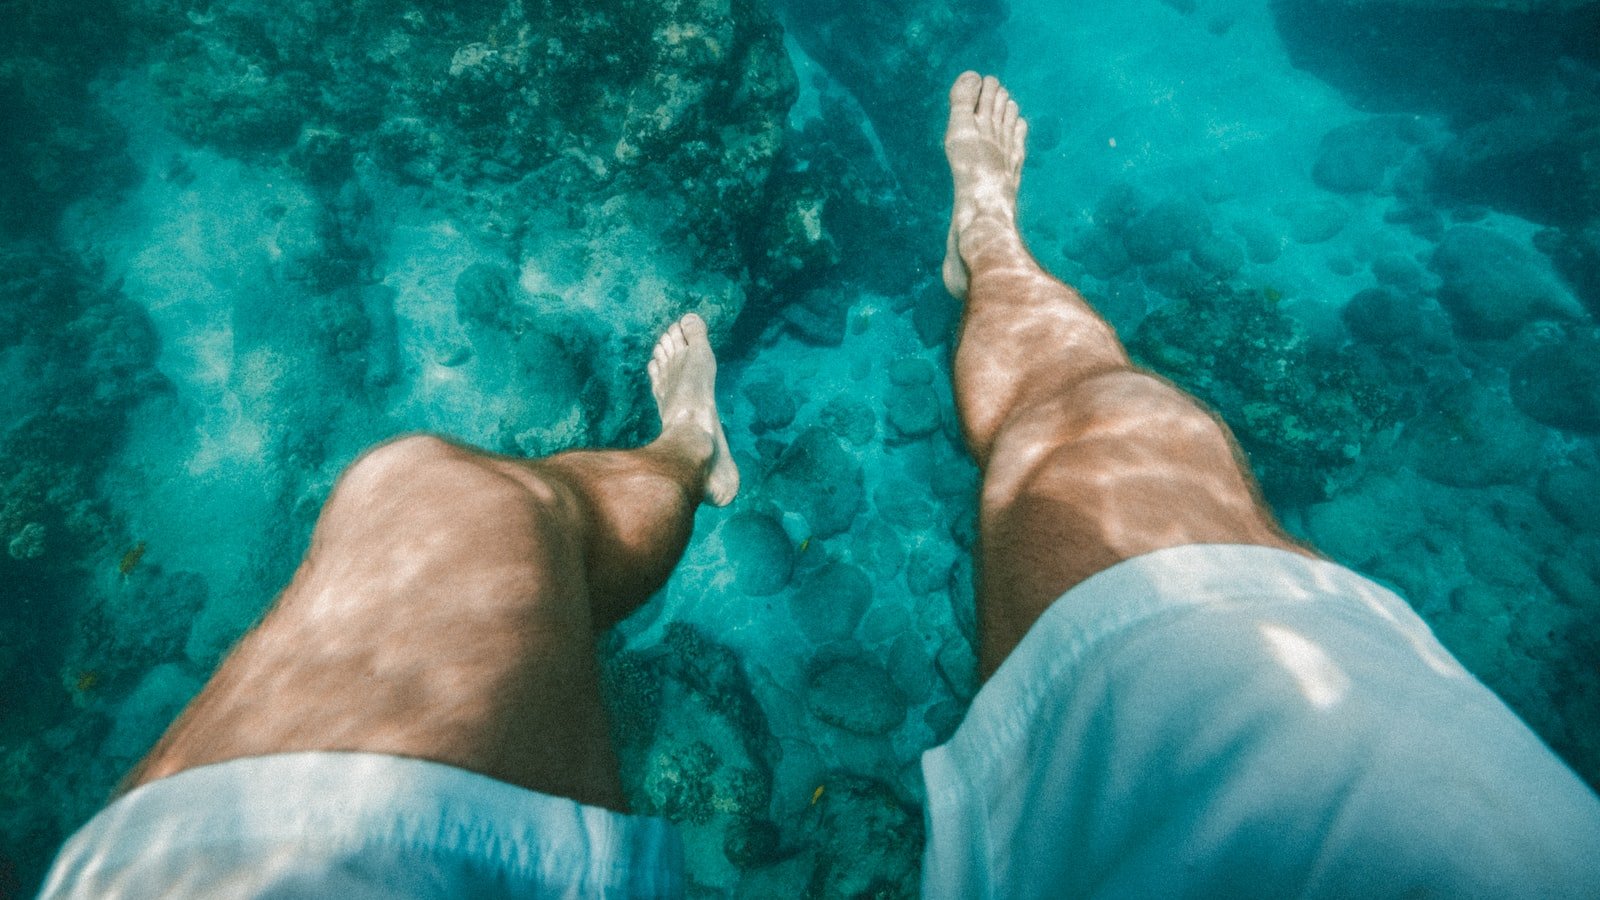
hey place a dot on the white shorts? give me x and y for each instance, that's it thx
(357, 826)
(1233, 721)
(1206, 721)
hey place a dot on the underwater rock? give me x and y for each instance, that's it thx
(819, 479)
(1559, 384)
(953, 474)
(909, 370)
(856, 694)
(1099, 251)
(795, 235)
(913, 410)
(819, 319)
(1471, 437)
(876, 548)
(772, 404)
(928, 568)
(903, 505)
(1118, 206)
(1177, 278)
(871, 841)
(1494, 285)
(1383, 316)
(1398, 271)
(759, 551)
(1576, 254)
(829, 602)
(911, 667)
(1572, 494)
(1314, 221)
(1354, 158)
(1218, 256)
(1571, 576)
(943, 718)
(1261, 243)
(1536, 158)
(851, 419)
(1166, 228)
(750, 843)
(886, 622)
(1407, 55)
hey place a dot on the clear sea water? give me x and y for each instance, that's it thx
(241, 241)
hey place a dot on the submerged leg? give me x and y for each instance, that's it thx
(448, 606)
(1087, 460)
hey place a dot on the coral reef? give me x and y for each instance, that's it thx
(1303, 412)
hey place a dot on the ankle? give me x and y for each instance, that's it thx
(989, 239)
(688, 441)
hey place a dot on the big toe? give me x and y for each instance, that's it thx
(694, 327)
(964, 93)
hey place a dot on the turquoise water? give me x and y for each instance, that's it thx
(240, 241)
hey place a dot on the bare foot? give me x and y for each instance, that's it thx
(985, 143)
(683, 377)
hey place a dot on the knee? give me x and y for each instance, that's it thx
(1118, 420)
(425, 470)
(423, 478)
(399, 462)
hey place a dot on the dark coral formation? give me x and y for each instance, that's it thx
(519, 107)
(1304, 413)
(79, 358)
(58, 144)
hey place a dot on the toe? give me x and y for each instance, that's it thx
(1009, 121)
(964, 93)
(693, 326)
(675, 333)
(991, 87)
(1002, 99)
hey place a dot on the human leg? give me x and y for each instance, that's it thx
(1087, 460)
(448, 605)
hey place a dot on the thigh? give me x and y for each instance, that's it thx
(1119, 465)
(441, 613)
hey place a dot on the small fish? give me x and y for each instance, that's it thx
(817, 794)
(130, 560)
(804, 544)
(85, 682)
